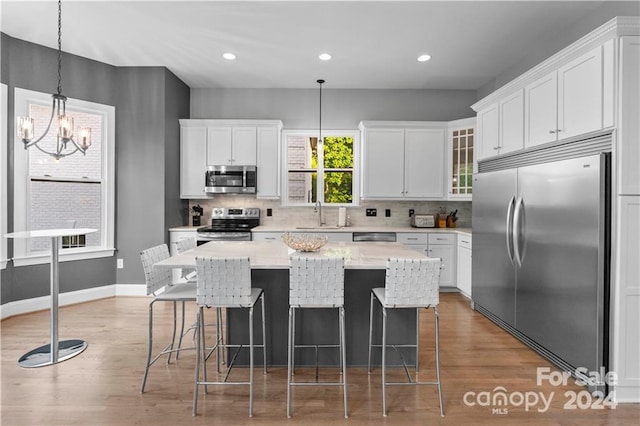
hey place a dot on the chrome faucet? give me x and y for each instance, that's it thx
(318, 209)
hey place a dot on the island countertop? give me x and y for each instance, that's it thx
(275, 254)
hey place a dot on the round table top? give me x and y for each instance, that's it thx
(61, 232)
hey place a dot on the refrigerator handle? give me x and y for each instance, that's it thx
(518, 222)
(509, 228)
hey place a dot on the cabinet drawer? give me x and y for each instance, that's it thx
(438, 238)
(412, 237)
(464, 241)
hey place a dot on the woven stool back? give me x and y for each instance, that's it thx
(224, 282)
(155, 278)
(412, 282)
(316, 281)
(185, 244)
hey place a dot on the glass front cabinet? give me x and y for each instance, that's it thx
(461, 161)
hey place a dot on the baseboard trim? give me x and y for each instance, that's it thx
(26, 306)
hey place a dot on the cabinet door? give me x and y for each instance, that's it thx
(424, 162)
(243, 147)
(268, 162)
(540, 111)
(512, 123)
(461, 163)
(219, 146)
(193, 150)
(266, 236)
(464, 270)
(447, 254)
(488, 131)
(629, 134)
(383, 163)
(580, 95)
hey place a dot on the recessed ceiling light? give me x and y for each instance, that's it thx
(229, 56)
(324, 56)
(424, 58)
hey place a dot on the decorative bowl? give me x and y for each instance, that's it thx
(304, 242)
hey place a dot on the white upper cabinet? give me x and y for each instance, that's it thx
(512, 123)
(501, 126)
(383, 164)
(229, 142)
(541, 110)
(228, 146)
(424, 160)
(403, 160)
(461, 158)
(568, 95)
(489, 131)
(268, 161)
(219, 146)
(193, 149)
(629, 134)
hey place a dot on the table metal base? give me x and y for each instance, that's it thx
(41, 356)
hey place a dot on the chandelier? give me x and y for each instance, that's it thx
(64, 123)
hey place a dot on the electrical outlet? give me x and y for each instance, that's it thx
(269, 212)
(372, 212)
(387, 213)
(411, 212)
(120, 263)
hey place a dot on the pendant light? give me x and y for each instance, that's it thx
(64, 123)
(320, 82)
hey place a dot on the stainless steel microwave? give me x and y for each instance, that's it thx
(231, 179)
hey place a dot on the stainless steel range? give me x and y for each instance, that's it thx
(230, 224)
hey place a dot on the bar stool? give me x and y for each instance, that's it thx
(157, 279)
(316, 283)
(226, 283)
(412, 284)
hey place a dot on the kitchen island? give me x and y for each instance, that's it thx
(365, 265)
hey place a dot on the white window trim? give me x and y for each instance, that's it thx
(4, 111)
(355, 134)
(23, 98)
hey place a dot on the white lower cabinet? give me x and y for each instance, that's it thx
(175, 236)
(464, 264)
(435, 244)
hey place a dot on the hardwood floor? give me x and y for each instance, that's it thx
(102, 385)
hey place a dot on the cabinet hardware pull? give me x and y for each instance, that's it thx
(496, 147)
(552, 132)
(558, 130)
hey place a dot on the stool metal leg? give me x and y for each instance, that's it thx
(146, 370)
(173, 336)
(343, 351)
(370, 332)
(251, 360)
(264, 336)
(437, 321)
(417, 339)
(290, 359)
(198, 360)
(384, 361)
(181, 332)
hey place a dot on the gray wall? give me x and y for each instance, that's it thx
(341, 109)
(556, 42)
(148, 103)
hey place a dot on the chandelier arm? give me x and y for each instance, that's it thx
(78, 147)
(32, 143)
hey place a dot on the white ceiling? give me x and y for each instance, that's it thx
(374, 44)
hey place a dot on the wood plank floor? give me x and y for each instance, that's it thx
(102, 385)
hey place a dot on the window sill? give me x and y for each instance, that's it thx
(45, 257)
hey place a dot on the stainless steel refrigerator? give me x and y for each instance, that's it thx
(541, 256)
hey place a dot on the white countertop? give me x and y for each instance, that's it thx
(291, 228)
(275, 254)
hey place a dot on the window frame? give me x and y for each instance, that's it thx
(21, 254)
(355, 134)
(4, 136)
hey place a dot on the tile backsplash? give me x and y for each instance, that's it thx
(305, 216)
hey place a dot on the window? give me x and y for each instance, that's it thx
(324, 172)
(75, 191)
